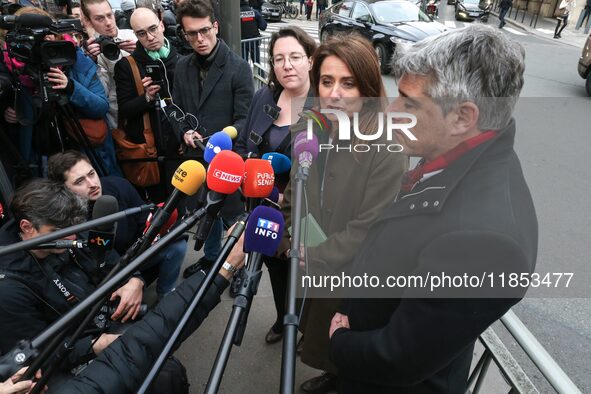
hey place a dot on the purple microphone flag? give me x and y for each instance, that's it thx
(306, 150)
(264, 231)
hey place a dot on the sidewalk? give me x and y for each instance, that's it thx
(545, 27)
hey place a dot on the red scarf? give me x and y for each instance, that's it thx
(412, 177)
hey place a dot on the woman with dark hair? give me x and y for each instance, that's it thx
(347, 188)
(267, 129)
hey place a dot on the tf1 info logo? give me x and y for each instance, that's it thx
(267, 228)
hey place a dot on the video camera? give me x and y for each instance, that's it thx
(103, 321)
(26, 43)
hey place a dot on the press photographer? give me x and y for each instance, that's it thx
(56, 101)
(39, 286)
(99, 16)
(142, 79)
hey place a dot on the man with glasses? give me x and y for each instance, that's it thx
(216, 86)
(154, 52)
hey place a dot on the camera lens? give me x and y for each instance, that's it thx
(110, 50)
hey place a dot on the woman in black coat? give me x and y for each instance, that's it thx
(274, 108)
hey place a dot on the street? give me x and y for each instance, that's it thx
(552, 142)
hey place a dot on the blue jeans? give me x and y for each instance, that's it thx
(502, 16)
(213, 243)
(169, 261)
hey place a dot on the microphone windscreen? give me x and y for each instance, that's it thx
(225, 172)
(231, 131)
(168, 225)
(258, 178)
(281, 163)
(264, 230)
(34, 20)
(104, 206)
(218, 142)
(189, 177)
(274, 195)
(304, 146)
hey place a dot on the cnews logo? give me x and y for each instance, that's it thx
(267, 228)
(224, 176)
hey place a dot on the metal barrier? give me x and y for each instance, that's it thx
(496, 351)
(255, 52)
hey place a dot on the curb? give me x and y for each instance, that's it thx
(534, 32)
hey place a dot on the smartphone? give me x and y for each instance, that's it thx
(154, 71)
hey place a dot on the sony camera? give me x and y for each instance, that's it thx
(103, 321)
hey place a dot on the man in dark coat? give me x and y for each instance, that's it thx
(465, 209)
(152, 50)
(215, 86)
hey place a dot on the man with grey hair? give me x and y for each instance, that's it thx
(464, 211)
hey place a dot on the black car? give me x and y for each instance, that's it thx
(384, 23)
(473, 9)
(271, 11)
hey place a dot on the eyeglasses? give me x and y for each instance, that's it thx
(192, 35)
(295, 59)
(143, 33)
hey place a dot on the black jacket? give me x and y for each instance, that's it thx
(475, 216)
(132, 106)
(31, 300)
(130, 228)
(223, 98)
(122, 367)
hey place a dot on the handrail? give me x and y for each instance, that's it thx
(536, 352)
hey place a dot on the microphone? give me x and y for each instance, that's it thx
(224, 176)
(25, 20)
(263, 233)
(280, 162)
(259, 178)
(274, 195)
(64, 244)
(167, 226)
(101, 239)
(217, 142)
(231, 131)
(273, 199)
(187, 179)
(306, 150)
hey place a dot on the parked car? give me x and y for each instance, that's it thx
(585, 64)
(385, 23)
(271, 11)
(470, 10)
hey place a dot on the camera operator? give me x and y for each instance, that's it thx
(36, 129)
(99, 16)
(39, 286)
(153, 52)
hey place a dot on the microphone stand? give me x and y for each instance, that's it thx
(31, 243)
(237, 321)
(290, 320)
(26, 350)
(195, 301)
